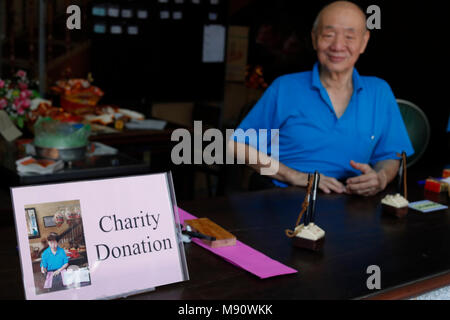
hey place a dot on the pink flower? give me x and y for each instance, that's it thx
(2, 84)
(23, 86)
(18, 103)
(21, 111)
(25, 94)
(21, 74)
(3, 103)
(26, 103)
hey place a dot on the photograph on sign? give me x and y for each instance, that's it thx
(99, 239)
(61, 239)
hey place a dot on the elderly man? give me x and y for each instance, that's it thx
(346, 126)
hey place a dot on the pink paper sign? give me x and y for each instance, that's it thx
(116, 237)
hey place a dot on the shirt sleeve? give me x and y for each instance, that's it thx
(64, 255)
(395, 138)
(263, 116)
(44, 260)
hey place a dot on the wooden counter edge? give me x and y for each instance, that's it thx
(414, 289)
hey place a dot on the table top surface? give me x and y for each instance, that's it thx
(358, 235)
(147, 137)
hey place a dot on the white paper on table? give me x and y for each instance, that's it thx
(213, 43)
(102, 150)
(68, 277)
(75, 276)
(84, 275)
(31, 165)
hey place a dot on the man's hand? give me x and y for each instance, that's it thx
(326, 184)
(369, 183)
(329, 184)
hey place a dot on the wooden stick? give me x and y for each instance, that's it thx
(403, 164)
(405, 186)
(305, 204)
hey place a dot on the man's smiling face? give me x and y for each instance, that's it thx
(340, 36)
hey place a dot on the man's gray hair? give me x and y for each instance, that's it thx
(316, 23)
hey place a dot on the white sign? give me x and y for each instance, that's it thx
(213, 43)
(111, 238)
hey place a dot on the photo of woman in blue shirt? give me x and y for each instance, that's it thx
(54, 261)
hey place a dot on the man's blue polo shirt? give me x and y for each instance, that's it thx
(53, 262)
(312, 137)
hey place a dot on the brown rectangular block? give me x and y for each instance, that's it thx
(209, 228)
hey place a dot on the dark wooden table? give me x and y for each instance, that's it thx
(137, 141)
(91, 167)
(147, 137)
(412, 253)
(94, 167)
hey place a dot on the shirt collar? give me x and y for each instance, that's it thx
(316, 83)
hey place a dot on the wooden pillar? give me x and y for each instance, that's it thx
(11, 13)
(50, 18)
(31, 10)
(68, 37)
(84, 10)
(2, 19)
(42, 46)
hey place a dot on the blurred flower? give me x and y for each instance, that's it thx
(25, 94)
(3, 103)
(21, 74)
(15, 97)
(26, 103)
(23, 86)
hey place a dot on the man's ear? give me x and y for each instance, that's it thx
(314, 39)
(366, 37)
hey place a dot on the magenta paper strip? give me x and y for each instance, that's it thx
(244, 256)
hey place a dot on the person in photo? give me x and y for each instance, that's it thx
(54, 262)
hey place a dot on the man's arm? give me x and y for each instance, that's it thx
(272, 168)
(372, 180)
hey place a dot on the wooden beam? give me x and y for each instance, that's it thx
(42, 47)
(2, 15)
